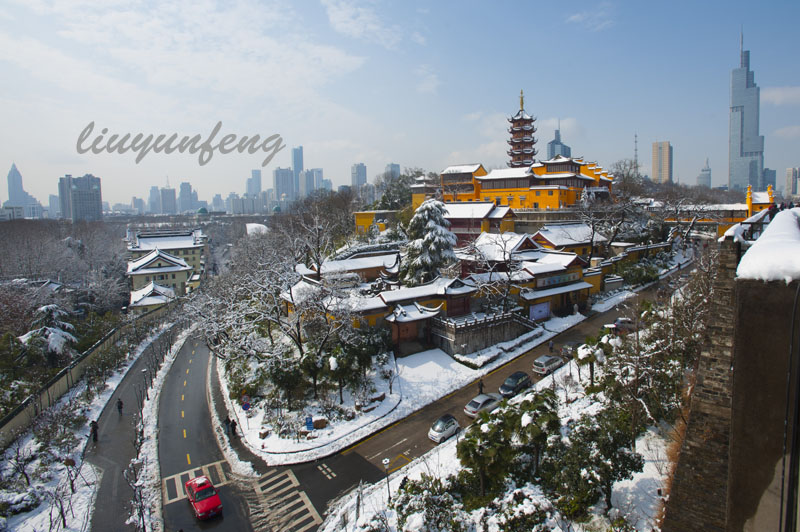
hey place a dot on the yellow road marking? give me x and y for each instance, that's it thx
(184, 383)
(187, 371)
(184, 433)
(181, 397)
(190, 361)
(396, 458)
(188, 460)
(181, 413)
(192, 351)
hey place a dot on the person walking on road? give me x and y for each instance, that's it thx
(227, 424)
(550, 345)
(233, 427)
(119, 405)
(480, 386)
(93, 429)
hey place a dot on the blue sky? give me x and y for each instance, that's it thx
(418, 83)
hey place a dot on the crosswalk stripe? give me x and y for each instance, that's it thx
(289, 507)
(172, 489)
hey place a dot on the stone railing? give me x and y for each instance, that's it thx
(467, 334)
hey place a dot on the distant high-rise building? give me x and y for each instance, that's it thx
(254, 184)
(80, 198)
(217, 204)
(792, 175)
(704, 179)
(768, 178)
(307, 182)
(185, 197)
(283, 183)
(662, 162)
(746, 146)
(393, 170)
(137, 204)
(297, 167)
(317, 178)
(358, 175)
(54, 207)
(168, 203)
(17, 197)
(556, 147)
(327, 184)
(154, 201)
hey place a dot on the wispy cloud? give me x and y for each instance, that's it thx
(428, 80)
(597, 19)
(781, 95)
(788, 132)
(360, 21)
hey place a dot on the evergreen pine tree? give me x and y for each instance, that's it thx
(430, 243)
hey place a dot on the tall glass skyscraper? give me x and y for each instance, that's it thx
(746, 148)
(297, 167)
(556, 147)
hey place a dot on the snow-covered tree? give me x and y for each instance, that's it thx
(51, 334)
(430, 243)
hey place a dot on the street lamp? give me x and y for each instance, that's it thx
(385, 462)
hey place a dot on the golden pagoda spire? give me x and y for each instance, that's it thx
(521, 100)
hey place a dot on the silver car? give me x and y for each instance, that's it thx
(443, 428)
(484, 401)
(546, 364)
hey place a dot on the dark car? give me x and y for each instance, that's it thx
(203, 497)
(515, 383)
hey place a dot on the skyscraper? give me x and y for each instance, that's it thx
(297, 167)
(704, 179)
(54, 207)
(283, 183)
(254, 184)
(154, 201)
(746, 146)
(185, 197)
(792, 175)
(317, 178)
(358, 175)
(556, 147)
(80, 198)
(17, 197)
(168, 203)
(662, 162)
(307, 182)
(768, 178)
(393, 170)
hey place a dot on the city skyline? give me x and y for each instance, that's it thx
(378, 82)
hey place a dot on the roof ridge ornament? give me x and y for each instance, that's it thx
(521, 101)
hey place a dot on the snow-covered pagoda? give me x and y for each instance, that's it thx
(522, 141)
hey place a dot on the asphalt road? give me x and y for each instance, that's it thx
(187, 446)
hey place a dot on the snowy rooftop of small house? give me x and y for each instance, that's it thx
(165, 242)
(496, 246)
(173, 263)
(776, 255)
(412, 312)
(462, 169)
(529, 295)
(557, 257)
(489, 277)
(506, 173)
(542, 267)
(362, 263)
(359, 303)
(474, 210)
(736, 231)
(152, 294)
(437, 287)
(760, 197)
(569, 234)
(255, 229)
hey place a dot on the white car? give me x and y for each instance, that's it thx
(621, 326)
(443, 428)
(546, 364)
(484, 401)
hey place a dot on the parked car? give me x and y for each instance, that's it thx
(443, 428)
(515, 383)
(483, 402)
(568, 349)
(546, 364)
(203, 497)
(621, 326)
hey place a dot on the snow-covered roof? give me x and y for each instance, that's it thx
(530, 295)
(506, 173)
(475, 210)
(167, 240)
(560, 258)
(521, 115)
(152, 294)
(144, 263)
(496, 247)
(558, 159)
(521, 275)
(537, 268)
(737, 230)
(564, 175)
(569, 234)
(760, 197)
(462, 168)
(255, 229)
(438, 287)
(775, 256)
(412, 312)
(362, 263)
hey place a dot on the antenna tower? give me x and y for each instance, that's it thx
(636, 154)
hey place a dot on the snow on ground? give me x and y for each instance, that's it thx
(82, 502)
